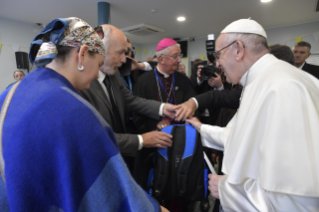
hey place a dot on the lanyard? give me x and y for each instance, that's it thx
(129, 85)
(171, 91)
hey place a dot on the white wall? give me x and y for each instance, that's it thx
(286, 35)
(136, 47)
(18, 34)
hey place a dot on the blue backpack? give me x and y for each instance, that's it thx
(180, 172)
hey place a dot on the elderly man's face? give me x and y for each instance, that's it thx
(115, 53)
(301, 53)
(172, 59)
(227, 60)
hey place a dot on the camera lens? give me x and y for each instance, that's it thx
(208, 71)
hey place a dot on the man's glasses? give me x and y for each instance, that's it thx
(98, 30)
(217, 54)
(175, 56)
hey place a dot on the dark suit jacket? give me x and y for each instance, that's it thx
(311, 69)
(128, 143)
(215, 98)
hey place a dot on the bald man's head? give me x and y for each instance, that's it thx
(115, 44)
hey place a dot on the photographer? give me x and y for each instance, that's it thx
(200, 85)
(214, 81)
(206, 77)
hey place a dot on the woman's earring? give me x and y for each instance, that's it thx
(80, 68)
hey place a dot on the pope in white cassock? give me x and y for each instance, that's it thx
(271, 146)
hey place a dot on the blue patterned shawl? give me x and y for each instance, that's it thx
(60, 154)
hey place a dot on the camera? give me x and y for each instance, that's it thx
(209, 70)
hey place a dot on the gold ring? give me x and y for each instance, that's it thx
(162, 125)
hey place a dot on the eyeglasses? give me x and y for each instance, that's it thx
(217, 54)
(95, 30)
(175, 56)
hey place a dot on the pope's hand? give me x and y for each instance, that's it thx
(185, 110)
(194, 122)
(213, 184)
(169, 110)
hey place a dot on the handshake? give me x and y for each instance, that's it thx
(180, 112)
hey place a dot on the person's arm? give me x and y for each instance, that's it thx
(128, 143)
(214, 98)
(212, 136)
(150, 108)
(145, 66)
(247, 196)
(250, 196)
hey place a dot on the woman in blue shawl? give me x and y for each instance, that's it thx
(57, 152)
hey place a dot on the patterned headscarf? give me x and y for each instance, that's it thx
(64, 32)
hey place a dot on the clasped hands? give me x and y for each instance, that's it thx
(159, 139)
(179, 113)
(182, 112)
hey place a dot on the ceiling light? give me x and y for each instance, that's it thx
(264, 1)
(181, 18)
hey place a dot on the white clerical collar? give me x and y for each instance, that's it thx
(302, 66)
(101, 77)
(165, 75)
(243, 78)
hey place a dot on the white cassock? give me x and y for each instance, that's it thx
(271, 146)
